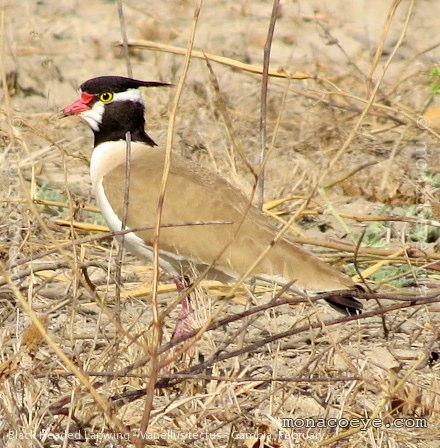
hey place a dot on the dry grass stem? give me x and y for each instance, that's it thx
(255, 69)
(348, 136)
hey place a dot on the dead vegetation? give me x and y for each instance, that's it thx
(350, 147)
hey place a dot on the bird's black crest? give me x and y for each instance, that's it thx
(116, 84)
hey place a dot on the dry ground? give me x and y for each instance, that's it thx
(356, 151)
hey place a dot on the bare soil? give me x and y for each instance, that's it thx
(351, 137)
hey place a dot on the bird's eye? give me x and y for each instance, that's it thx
(106, 97)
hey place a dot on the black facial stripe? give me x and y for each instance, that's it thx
(118, 118)
(94, 100)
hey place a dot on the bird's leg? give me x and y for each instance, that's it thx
(182, 325)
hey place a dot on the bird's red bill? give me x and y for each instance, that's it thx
(80, 105)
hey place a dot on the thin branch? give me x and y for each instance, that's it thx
(60, 247)
(120, 255)
(393, 218)
(256, 69)
(124, 39)
(263, 112)
(156, 336)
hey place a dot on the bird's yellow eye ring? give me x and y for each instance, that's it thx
(106, 97)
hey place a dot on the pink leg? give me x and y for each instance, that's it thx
(182, 325)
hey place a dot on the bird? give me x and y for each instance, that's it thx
(234, 232)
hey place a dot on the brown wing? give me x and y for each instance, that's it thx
(196, 194)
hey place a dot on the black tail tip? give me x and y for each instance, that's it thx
(344, 301)
(346, 305)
